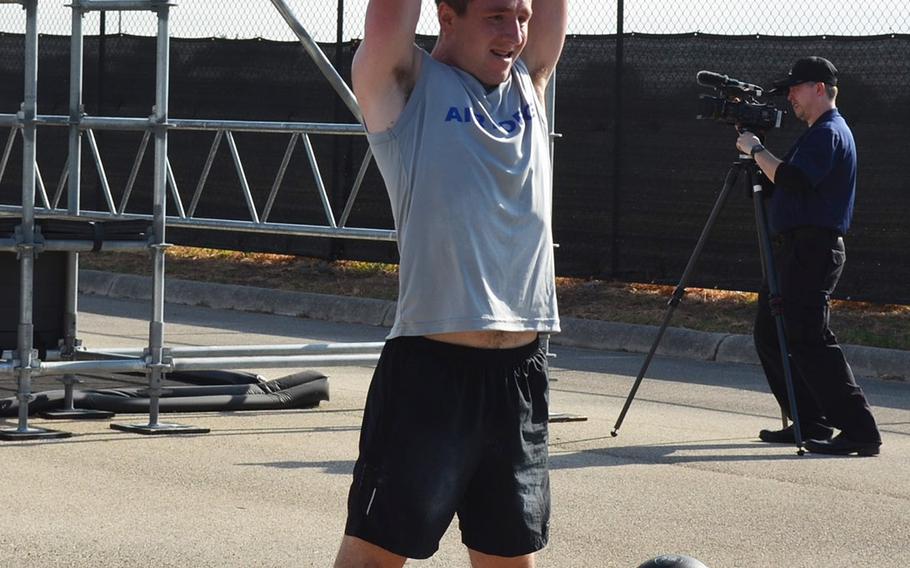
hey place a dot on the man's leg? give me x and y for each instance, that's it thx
(832, 380)
(768, 348)
(421, 436)
(842, 400)
(505, 512)
(481, 560)
(814, 346)
(358, 553)
(764, 334)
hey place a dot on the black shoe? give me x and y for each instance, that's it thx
(843, 446)
(814, 431)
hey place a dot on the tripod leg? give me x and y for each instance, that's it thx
(729, 181)
(767, 255)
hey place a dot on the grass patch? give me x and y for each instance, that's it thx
(703, 309)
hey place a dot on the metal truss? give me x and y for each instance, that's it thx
(186, 217)
(157, 359)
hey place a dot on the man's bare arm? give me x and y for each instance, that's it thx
(546, 36)
(386, 63)
(765, 160)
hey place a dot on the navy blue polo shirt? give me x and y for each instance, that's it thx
(826, 154)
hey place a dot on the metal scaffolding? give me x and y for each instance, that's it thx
(157, 359)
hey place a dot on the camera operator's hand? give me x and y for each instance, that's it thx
(750, 144)
(746, 142)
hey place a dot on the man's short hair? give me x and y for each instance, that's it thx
(831, 91)
(460, 6)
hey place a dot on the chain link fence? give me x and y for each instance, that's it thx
(768, 17)
(636, 174)
(327, 19)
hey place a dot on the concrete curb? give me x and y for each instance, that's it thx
(242, 298)
(676, 342)
(891, 364)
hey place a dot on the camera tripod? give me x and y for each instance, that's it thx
(753, 186)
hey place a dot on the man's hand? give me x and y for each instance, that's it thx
(765, 160)
(746, 142)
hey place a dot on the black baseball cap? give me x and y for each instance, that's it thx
(808, 69)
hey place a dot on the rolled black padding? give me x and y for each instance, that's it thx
(202, 378)
(179, 391)
(289, 381)
(44, 400)
(95, 231)
(216, 377)
(306, 395)
(300, 390)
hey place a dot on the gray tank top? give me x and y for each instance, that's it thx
(469, 177)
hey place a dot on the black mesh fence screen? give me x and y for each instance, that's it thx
(634, 211)
(636, 173)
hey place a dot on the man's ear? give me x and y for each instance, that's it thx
(446, 16)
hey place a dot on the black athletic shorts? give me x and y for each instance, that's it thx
(450, 429)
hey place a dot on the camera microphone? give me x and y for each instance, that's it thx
(710, 79)
(718, 81)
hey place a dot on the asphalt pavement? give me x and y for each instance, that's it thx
(686, 474)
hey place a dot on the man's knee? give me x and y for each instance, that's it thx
(764, 334)
(806, 325)
(481, 560)
(358, 553)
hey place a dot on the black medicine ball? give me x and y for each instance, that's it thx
(672, 561)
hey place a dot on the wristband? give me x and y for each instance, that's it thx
(755, 150)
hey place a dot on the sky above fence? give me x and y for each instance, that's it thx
(258, 18)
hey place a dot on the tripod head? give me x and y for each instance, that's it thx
(757, 183)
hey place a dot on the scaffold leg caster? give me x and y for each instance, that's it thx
(162, 428)
(28, 433)
(69, 411)
(154, 427)
(76, 414)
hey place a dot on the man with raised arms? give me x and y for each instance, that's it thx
(456, 416)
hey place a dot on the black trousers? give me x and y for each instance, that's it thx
(809, 262)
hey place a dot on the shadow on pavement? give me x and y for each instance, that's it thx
(890, 394)
(666, 454)
(335, 467)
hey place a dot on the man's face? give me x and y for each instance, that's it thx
(803, 98)
(489, 37)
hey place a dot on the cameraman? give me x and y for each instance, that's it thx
(809, 212)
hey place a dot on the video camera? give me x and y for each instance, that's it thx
(736, 102)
